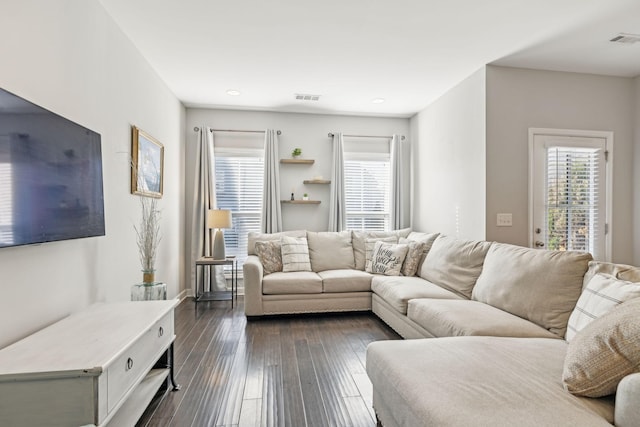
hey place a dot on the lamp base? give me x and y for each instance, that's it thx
(218, 246)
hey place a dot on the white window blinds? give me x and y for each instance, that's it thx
(239, 176)
(574, 199)
(367, 184)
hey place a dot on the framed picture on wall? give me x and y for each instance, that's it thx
(147, 164)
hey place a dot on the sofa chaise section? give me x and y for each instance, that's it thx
(477, 381)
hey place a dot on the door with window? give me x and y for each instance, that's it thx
(569, 191)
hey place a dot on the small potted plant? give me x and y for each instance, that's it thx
(296, 153)
(305, 196)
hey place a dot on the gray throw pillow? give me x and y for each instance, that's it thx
(270, 255)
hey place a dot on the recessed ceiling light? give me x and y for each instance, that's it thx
(378, 100)
(233, 92)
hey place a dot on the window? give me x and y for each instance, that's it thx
(367, 183)
(239, 176)
(570, 197)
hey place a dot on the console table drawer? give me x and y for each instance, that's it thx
(129, 368)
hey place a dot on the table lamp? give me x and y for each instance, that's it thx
(218, 219)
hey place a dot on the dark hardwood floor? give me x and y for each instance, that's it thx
(285, 371)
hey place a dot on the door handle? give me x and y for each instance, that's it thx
(539, 244)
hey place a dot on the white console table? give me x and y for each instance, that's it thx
(100, 366)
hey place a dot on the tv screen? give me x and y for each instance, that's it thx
(50, 176)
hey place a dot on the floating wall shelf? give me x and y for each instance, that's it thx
(301, 202)
(317, 181)
(298, 161)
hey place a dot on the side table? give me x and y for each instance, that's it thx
(217, 295)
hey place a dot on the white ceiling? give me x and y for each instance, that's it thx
(408, 52)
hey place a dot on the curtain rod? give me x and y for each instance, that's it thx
(196, 129)
(366, 136)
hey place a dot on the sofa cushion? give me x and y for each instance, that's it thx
(479, 381)
(538, 285)
(255, 236)
(270, 255)
(418, 236)
(295, 254)
(450, 318)
(398, 290)
(387, 259)
(330, 250)
(454, 264)
(604, 352)
(619, 271)
(358, 241)
(299, 282)
(603, 293)
(345, 281)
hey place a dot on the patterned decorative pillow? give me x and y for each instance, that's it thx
(270, 255)
(415, 255)
(295, 254)
(603, 293)
(604, 352)
(387, 258)
(369, 244)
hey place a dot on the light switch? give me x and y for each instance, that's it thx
(504, 220)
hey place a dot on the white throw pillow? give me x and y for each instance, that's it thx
(295, 254)
(603, 293)
(387, 258)
(369, 244)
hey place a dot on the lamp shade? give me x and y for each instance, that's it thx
(219, 218)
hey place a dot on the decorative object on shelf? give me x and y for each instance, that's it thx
(296, 153)
(292, 198)
(219, 219)
(149, 292)
(147, 164)
(305, 196)
(148, 238)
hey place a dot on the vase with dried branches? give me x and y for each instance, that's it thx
(148, 238)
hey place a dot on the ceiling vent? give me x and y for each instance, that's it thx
(307, 97)
(626, 38)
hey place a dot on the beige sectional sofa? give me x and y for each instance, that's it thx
(336, 283)
(500, 313)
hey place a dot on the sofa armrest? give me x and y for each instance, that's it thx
(627, 412)
(253, 272)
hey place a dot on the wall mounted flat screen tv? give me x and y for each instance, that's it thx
(50, 176)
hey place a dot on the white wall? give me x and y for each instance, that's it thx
(307, 131)
(69, 57)
(449, 162)
(636, 172)
(518, 99)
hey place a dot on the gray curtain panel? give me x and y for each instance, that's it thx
(399, 184)
(204, 198)
(337, 201)
(271, 221)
